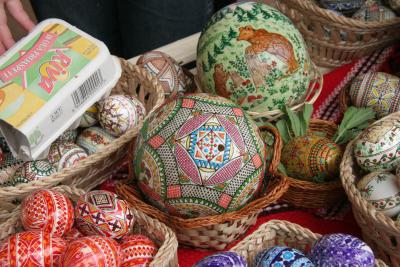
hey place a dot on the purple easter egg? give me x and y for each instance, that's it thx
(222, 259)
(341, 250)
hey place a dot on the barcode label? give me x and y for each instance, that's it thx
(87, 88)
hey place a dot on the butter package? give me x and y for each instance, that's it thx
(47, 81)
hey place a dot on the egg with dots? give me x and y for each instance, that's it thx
(103, 213)
(137, 250)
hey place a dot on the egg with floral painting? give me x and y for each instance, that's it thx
(94, 139)
(254, 55)
(137, 250)
(68, 136)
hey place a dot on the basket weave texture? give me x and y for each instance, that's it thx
(168, 245)
(335, 40)
(304, 194)
(218, 231)
(379, 231)
(94, 169)
(278, 233)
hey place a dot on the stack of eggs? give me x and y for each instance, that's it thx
(329, 250)
(101, 236)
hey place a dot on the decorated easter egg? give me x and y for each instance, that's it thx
(103, 213)
(347, 7)
(168, 72)
(63, 155)
(341, 250)
(137, 250)
(72, 235)
(378, 90)
(312, 158)
(254, 55)
(68, 136)
(32, 171)
(374, 11)
(222, 259)
(32, 248)
(49, 211)
(89, 118)
(92, 251)
(380, 188)
(119, 113)
(282, 256)
(378, 146)
(199, 155)
(94, 139)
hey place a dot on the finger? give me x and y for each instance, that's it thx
(17, 11)
(5, 34)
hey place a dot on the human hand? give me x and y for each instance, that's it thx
(17, 11)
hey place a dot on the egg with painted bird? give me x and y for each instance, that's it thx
(378, 90)
(341, 250)
(282, 256)
(252, 54)
(380, 189)
(226, 259)
(312, 158)
(378, 147)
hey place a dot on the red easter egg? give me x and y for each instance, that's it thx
(137, 250)
(92, 251)
(49, 211)
(103, 213)
(72, 235)
(32, 248)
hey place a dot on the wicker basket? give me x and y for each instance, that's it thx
(304, 194)
(278, 233)
(379, 231)
(335, 40)
(218, 231)
(94, 169)
(168, 245)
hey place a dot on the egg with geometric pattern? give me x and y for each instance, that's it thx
(222, 259)
(103, 213)
(137, 250)
(282, 256)
(199, 155)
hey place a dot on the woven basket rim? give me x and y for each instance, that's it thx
(49, 181)
(342, 20)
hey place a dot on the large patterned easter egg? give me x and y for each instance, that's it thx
(378, 90)
(199, 155)
(32, 248)
(32, 171)
(254, 55)
(94, 139)
(311, 157)
(119, 113)
(380, 188)
(96, 251)
(103, 213)
(378, 147)
(63, 155)
(49, 211)
(137, 250)
(89, 118)
(341, 250)
(222, 259)
(168, 72)
(282, 256)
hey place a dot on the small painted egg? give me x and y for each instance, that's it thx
(63, 155)
(374, 11)
(68, 136)
(347, 7)
(72, 235)
(312, 158)
(119, 113)
(49, 211)
(137, 250)
(32, 248)
(168, 72)
(32, 171)
(378, 146)
(378, 90)
(89, 118)
(341, 250)
(253, 54)
(103, 213)
(225, 259)
(92, 251)
(282, 256)
(94, 139)
(381, 190)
